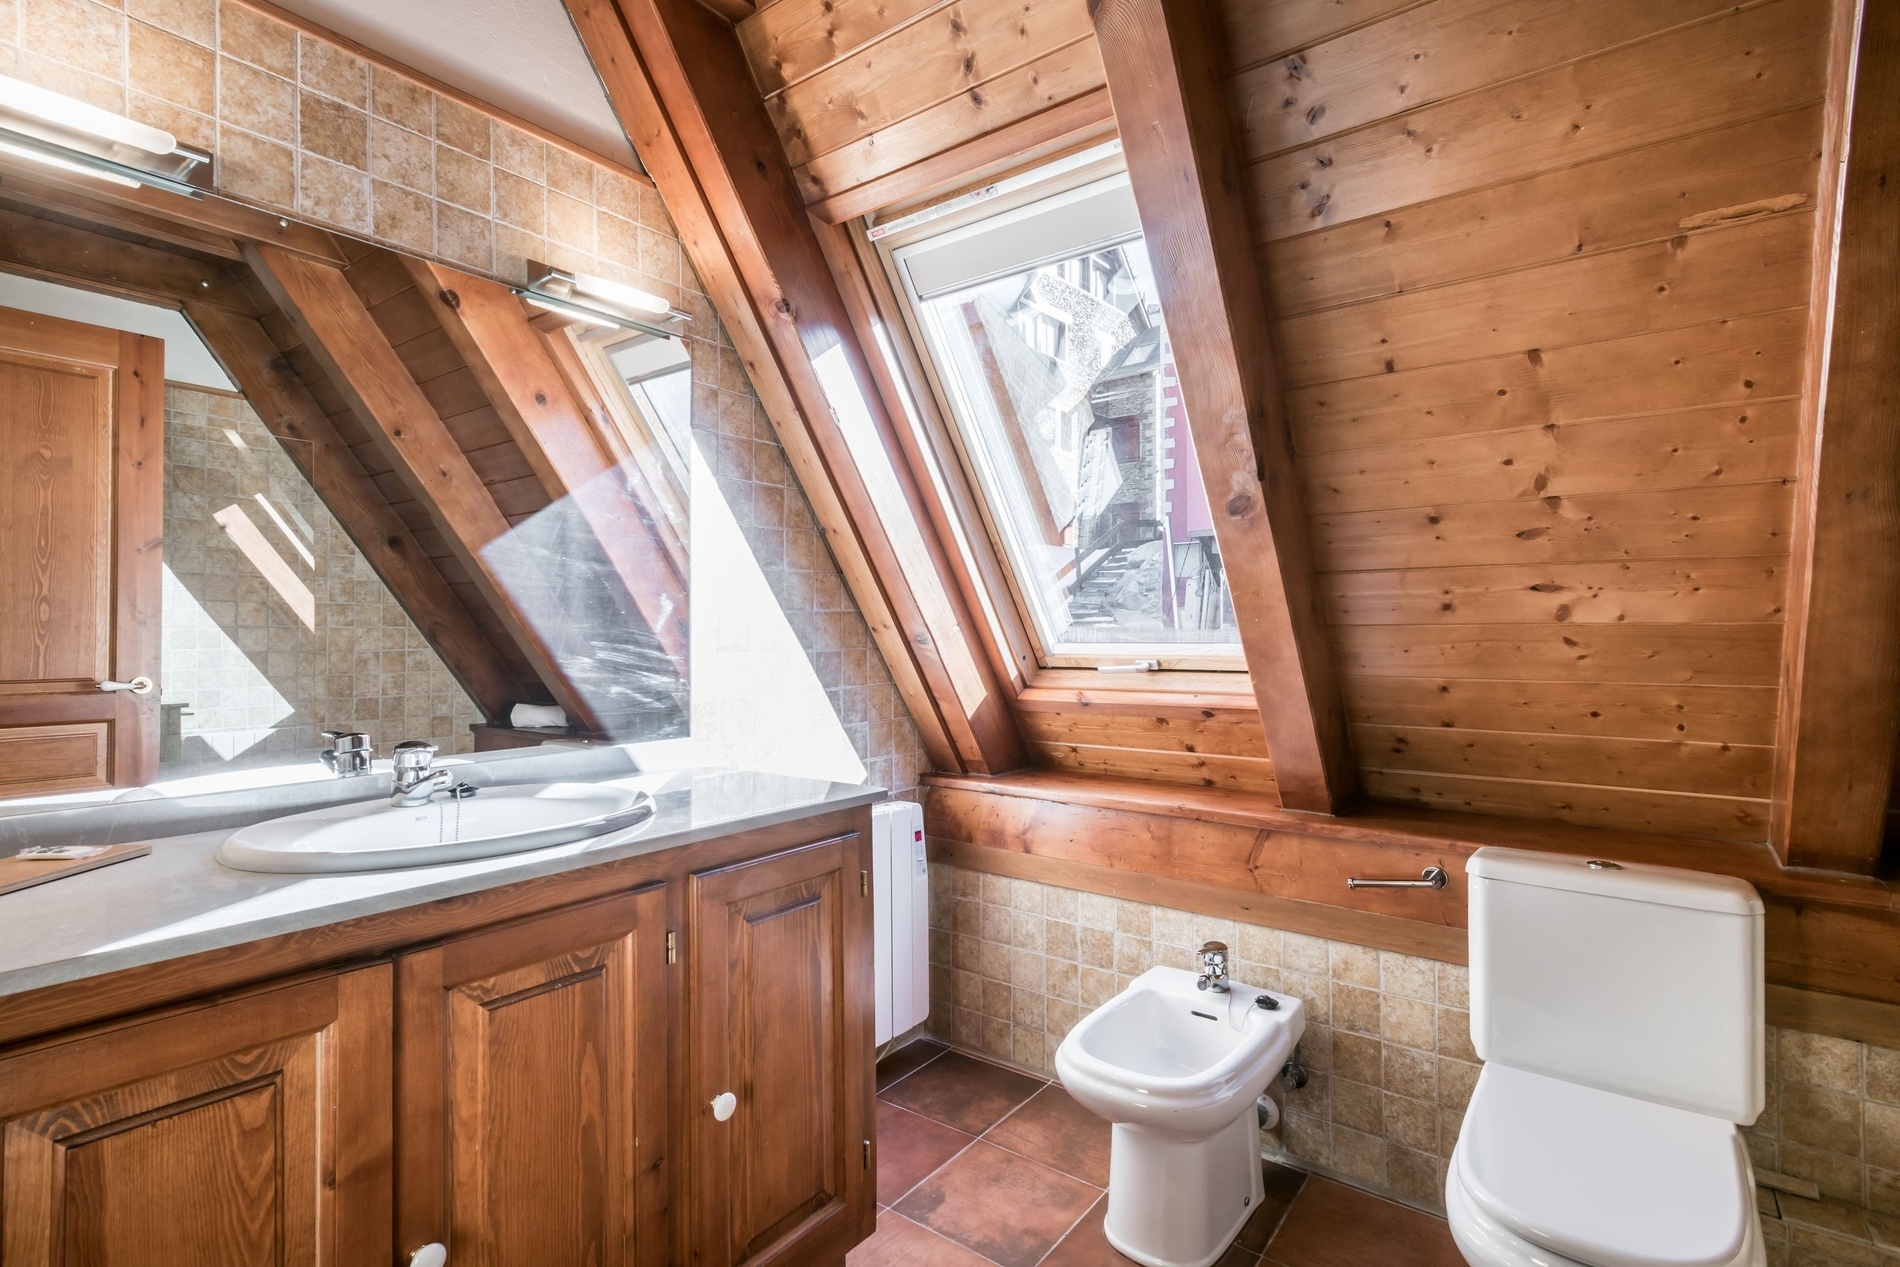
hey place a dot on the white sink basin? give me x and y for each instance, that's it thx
(378, 836)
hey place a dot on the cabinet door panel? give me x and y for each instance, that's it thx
(532, 1092)
(252, 1131)
(780, 1020)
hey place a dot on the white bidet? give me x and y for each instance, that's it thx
(1177, 1069)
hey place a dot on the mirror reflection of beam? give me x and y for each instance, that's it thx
(340, 331)
(570, 445)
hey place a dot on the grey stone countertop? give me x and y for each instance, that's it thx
(179, 900)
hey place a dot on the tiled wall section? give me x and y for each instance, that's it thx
(301, 126)
(1014, 964)
(258, 684)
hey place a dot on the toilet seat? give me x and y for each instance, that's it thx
(1602, 1179)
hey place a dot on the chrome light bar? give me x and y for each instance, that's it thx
(599, 301)
(62, 132)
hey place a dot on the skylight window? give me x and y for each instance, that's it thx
(1045, 333)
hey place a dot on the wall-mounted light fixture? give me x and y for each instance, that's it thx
(598, 301)
(59, 131)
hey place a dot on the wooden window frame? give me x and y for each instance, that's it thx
(1012, 632)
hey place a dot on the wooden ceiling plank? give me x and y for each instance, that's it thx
(671, 68)
(1840, 676)
(562, 440)
(280, 400)
(1183, 159)
(339, 330)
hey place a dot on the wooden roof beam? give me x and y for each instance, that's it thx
(342, 334)
(1840, 703)
(679, 80)
(564, 442)
(244, 348)
(1163, 62)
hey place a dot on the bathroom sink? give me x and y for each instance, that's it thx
(378, 836)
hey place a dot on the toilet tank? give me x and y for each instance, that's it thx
(1645, 981)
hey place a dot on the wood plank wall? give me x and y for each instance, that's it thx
(861, 89)
(1539, 273)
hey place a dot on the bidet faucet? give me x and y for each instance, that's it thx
(415, 781)
(1213, 967)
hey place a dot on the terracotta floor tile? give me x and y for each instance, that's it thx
(909, 1147)
(1056, 1131)
(898, 1242)
(1282, 1184)
(1331, 1225)
(907, 1060)
(1007, 1208)
(958, 1090)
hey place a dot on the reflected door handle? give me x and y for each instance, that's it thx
(434, 1254)
(724, 1105)
(140, 685)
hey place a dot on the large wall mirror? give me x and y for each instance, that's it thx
(251, 494)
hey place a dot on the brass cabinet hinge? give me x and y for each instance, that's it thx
(864, 883)
(672, 948)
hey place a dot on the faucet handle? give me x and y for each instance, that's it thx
(1214, 948)
(414, 754)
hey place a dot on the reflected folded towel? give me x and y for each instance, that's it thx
(527, 716)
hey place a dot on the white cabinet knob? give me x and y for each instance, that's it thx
(434, 1254)
(724, 1105)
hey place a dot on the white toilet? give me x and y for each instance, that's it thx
(1177, 1068)
(1619, 1013)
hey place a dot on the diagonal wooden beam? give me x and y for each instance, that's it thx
(344, 337)
(568, 447)
(1163, 61)
(244, 348)
(679, 81)
(1840, 703)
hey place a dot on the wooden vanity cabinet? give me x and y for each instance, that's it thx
(779, 1019)
(531, 1089)
(254, 1130)
(525, 1076)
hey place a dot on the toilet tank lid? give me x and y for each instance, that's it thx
(1632, 881)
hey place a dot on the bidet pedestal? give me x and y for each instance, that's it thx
(1180, 1203)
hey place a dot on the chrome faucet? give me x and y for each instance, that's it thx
(1213, 967)
(415, 781)
(348, 754)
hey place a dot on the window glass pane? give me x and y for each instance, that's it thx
(1062, 380)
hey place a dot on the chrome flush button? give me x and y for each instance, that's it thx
(1598, 864)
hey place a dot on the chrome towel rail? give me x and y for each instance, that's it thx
(1430, 878)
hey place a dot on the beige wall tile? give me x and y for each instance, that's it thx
(107, 94)
(521, 203)
(1817, 1061)
(255, 169)
(171, 69)
(194, 20)
(401, 101)
(333, 131)
(79, 33)
(263, 41)
(257, 101)
(333, 194)
(464, 180)
(571, 175)
(520, 153)
(333, 72)
(403, 217)
(401, 157)
(191, 128)
(465, 129)
(1820, 1119)
(1882, 1125)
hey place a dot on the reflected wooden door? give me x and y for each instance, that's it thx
(781, 1022)
(531, 1098)
(82, 522)
(253, 1131)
